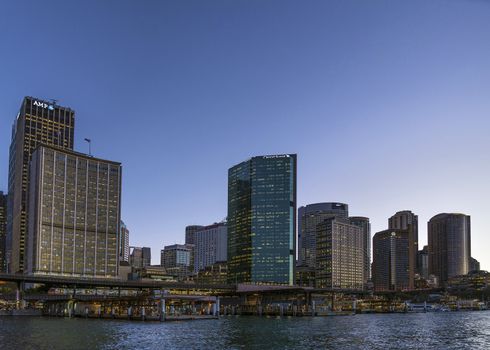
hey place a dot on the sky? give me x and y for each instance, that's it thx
(385, 102)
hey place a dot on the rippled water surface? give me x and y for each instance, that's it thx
(463, 330)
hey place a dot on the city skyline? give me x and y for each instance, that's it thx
(421, 147)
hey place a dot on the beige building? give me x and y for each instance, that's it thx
(339, 255)
(74, 214)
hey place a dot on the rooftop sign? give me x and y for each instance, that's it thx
(43, 105)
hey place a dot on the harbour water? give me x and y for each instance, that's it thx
(451, 330)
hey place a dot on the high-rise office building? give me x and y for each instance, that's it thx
(136, 257)
(423, 262)
(449, 238)
(37, 122)
(365, 226)
(262, 220)
(3, 230)
(124, 243)
(139, 257)
(339, 255)
(210, 245)
(146, 257)
(190, 231)
(391, 260)
(309, 217)
(408, 221)
(176, 255)
(74, 214)
(178, 259)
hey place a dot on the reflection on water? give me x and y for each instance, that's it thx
(458, 330)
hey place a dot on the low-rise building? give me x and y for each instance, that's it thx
(213, 274)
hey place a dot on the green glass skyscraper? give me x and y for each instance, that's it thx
(262, 220)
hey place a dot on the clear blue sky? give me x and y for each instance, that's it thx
(386, 103)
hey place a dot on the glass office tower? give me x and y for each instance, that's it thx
(37, 122)
(74, 214)
(262, 220)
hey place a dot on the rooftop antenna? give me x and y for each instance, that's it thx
(89, 146)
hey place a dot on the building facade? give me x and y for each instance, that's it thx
(262, 220)
(178, 260)
(74, 214)
(365, 226)
(210, 245)
(37, 122)
(309, 217)
(213, 274)
(124, 243)
(3, 230)
(391, 260)
(408, 221)
(449, 238)
(339, 255)
(190, 231)
(139, 257)
(474, 265)
(423, 262)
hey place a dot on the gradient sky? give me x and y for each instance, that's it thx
(386, 103)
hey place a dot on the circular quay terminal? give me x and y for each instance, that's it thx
(245, 174)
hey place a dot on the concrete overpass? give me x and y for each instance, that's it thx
(74, 282)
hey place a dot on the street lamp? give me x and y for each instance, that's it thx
(89, 146)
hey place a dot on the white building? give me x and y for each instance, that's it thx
(210, 245)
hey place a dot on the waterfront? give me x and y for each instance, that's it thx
(452, 330)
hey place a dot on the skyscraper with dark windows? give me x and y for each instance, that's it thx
(3, 230)
(407, 221)
(391, 260)
(309, 217)
(262, 220)
(449, 238)
(139, 257)
(423, 262)
(38, 121)
(365, 225)
(74, 214)
(146, 256)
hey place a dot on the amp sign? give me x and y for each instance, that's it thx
(43, 105)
